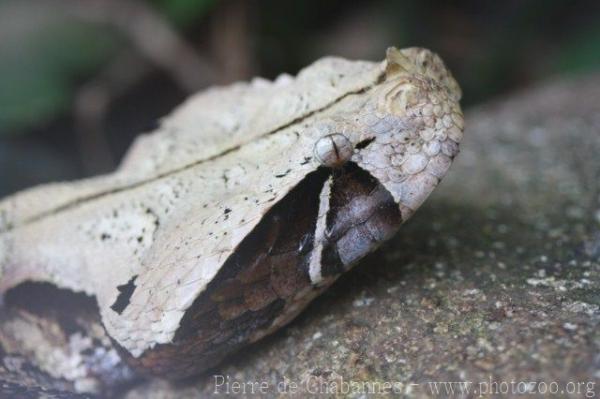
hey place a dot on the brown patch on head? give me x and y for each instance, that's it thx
(362, 215)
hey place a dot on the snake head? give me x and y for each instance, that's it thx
(412, 126)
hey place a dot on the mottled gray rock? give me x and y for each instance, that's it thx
(495, 279)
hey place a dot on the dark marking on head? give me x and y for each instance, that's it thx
(125, 293)
(251, 289)
(364, 143)
(279, 176)
(259, 281)
(362, 214)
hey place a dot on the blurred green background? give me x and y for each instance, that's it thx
(79, 79)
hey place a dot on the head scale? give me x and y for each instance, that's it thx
(415, 123)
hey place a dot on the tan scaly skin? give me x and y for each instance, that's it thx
(221, 226)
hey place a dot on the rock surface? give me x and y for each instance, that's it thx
(495, 280)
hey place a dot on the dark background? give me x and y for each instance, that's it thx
(79, 79)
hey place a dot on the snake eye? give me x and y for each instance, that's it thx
(333, 150)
